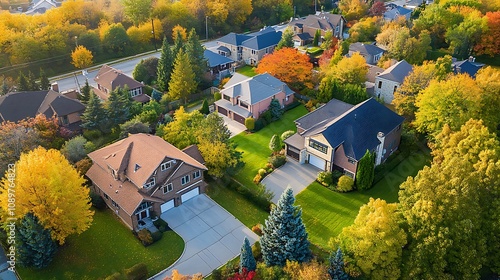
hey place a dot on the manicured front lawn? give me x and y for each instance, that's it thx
(247, 70)
(105, 248)
(325, 212)
(255, 146)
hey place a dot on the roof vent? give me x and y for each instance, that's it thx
(116, 191)
(137, 166)
(380, 135)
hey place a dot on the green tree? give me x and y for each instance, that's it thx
(182, 82)
(275, 144)
(204, 107)
(146, 70)
(94, 116)
(247, 259)
(35, 245)
(286, 39)
(178, 43)
(464, 37)
(32, 85)
(118, 106)
(22, 83)
(374, 243)
(116, 41)
(336, 269)
(195, 52)
(150, 113)
(44, 81)
(133, 126)
(181, 132)
(77, 148)
(316, 38)
(366, 171)
(165, 66)
(137, 10)
(275, 109)
(250, 123)
(284, 235)
(85, 92)
(5, 87)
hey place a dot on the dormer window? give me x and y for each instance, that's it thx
(150, 183)
(167, 165)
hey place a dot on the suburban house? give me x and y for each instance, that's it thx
(410, 4)
(468, 66)
(305, 28)
(249, 48)
(16, 106)
(371, 75)
(109, 79)
(143, 176)
(371, 53)
(337, 135)
(388, 81)
(219, 65)
(244, 97)
(41, 6)
(394, 11)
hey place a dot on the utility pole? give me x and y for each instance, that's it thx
(206, 26)
(153, 32)
(76, 41)
(315, 6)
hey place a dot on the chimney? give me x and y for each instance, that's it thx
(471, 58)
(283, 88)
(54, 86)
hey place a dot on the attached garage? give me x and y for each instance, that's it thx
(239, 118)
(167, 205)
(190, 194)
(222, 110)
(292, 152)
(317, 161)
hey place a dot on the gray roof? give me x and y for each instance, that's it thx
(466, 66)
(215, 59)
(323, 21)
(357, 129)
(365, 48)
(329, 111)
(235, 79)
(234, 108)
(373, 72)
(296, 141)
(255, 89)
(397, 72)
(263, 40)
(234, 39)
(16, 106)
(395, 11)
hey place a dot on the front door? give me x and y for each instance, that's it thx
(143, 214)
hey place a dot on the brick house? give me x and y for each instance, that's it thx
(337, 135)
(109, 79)
(304, 29)
(142, 174)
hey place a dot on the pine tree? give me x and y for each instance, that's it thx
(275, 109)
(204, 108)
(35, 245)
(182, 82)
(32, 85)
(195, 52)
(22, 83)
(178, 44)
(85, 93)
(165, 65)
(5, 88)
(284, 235)
(317, 35)
(118, 106)
(247, 259)
(275, 143)
(44, 81)
(94, 116)
(366, 171)
(336, 269)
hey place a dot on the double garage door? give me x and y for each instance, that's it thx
(185, 197)
(317, 161)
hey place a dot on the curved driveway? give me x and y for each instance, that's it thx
(212, 236)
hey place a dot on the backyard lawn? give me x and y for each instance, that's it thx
(325, 212)
(255, 146)
(105, 248)
(247, 70)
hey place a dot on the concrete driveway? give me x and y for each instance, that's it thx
(212, 236)
(233, 126)
(298, 176)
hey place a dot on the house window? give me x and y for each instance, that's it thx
(106, 196)
(134, 92)
(196, 174)
(349, 173)
(150, 183)
(243, 104)
(379, 84)
(168, 188)
(226, 97)
(351, 161)
(395, 88)
(318, 146)
(115, 204)
(286, 99)
(186, 179)
(166, 165)
(64, 120)
(253, 51)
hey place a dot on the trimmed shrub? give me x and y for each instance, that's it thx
(277, 160)
(161, 225)
(145, 237)
(262, 172)
(257, 178)
(250, 123)
(287, 134)
(275, 144)
(345, 184)
(97, 201)
(217, 96)
(259, 124)
(335, 176)
(156, 235)
(260, 201)
(257, 251)
(325, 178)
(92, 134)
(267, 116)
(257, 229)
(292, 105)
(137, 272)
(204, 107)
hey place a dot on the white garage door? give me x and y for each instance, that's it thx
(316, 161)
(190, 194)
(167, 205)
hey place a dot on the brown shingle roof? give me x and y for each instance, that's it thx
(112, 78)
(194, 152)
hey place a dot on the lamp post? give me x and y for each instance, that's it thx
(153, 33)
(206, 26)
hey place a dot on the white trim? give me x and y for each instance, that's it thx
(168, 179)
(178, 192)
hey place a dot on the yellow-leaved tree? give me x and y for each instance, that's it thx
(81, 57)
(46, 185)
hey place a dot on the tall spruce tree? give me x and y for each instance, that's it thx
(204, 107)
(178, 44)
(165, 65)
(247, 259)
(35, 246)
(336, 269)
(284, 235)
(85, 93)
(32, 85)
(118, 106)
(317, 36)
(182, 82)
(94, 116)
(5, 87)
(44, 81)
(195, 52)
(366, 171)
(22, 83)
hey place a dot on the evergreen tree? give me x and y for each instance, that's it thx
(275, 109)
(286, 39)
(336, 269)
(85, 93)
(204, 108)
(5, 88)
(317, 35)
(94, 116)
(44, 81)
(247, 259)
(366, 171)
(118, 106)
(156, 95)
(36, 247)
(284, 235)
(32, 85)
(22, 83)
(275, 143)
(165, 65)
(182, 82)
(195, 52)
(178, 44)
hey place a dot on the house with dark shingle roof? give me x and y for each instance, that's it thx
(305, 28)
(249, 48)
(387, 82)
(337, 135)
(109, 79)
(244, 97)
(16, 106)
(143, 175)
(468, 66)
(394, 11)
(218, 64)
(370, 52)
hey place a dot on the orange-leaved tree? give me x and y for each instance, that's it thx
(288, 65)
(489, 40)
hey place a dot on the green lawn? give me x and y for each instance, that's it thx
(255, 146)
(247, 70)
(325, 212)
(107, 247)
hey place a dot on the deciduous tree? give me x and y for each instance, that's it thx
(288, 65)
(77, 148)
(137, 10)
(365, 30)
(377, 9)
(81, 57)
(286, 39)
(464, 37)
(353, 9)
(488, 44)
